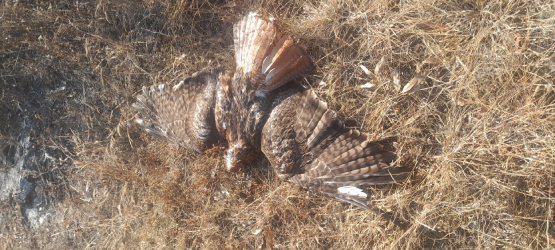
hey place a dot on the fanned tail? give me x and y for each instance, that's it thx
(253, 38)
(270, 63)
(285, 62)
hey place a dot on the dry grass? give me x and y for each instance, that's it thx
(478, 127)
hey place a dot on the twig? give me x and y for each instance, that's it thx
(17, 58)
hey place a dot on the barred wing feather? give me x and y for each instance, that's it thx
(182, 113)
(308, 145)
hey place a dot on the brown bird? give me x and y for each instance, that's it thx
(305, 142)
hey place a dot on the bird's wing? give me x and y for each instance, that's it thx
(268, 62)
(182, 113)
(307, 144)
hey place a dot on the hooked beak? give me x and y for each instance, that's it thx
(232, 161)
(234, 166)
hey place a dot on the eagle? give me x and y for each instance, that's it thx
(255, 110)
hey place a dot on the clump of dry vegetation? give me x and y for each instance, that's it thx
(476, 122)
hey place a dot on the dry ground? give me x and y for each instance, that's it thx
(478, 127)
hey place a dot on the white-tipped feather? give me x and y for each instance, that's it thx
(257, 52)
(269, 60)
(350, 190)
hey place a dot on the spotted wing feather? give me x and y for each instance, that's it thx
(182, 113)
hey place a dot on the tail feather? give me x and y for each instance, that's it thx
(270, 63)
(285, 62)
(253, 37)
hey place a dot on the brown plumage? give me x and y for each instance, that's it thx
(304, 141)
(308, 145)
(182, 113)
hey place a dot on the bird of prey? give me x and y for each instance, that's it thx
(306, 143)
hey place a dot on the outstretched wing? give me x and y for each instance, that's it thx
(307, 144)
(182, 113)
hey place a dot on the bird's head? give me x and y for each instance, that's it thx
(237, 156)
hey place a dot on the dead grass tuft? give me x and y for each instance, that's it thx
(477, 123)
